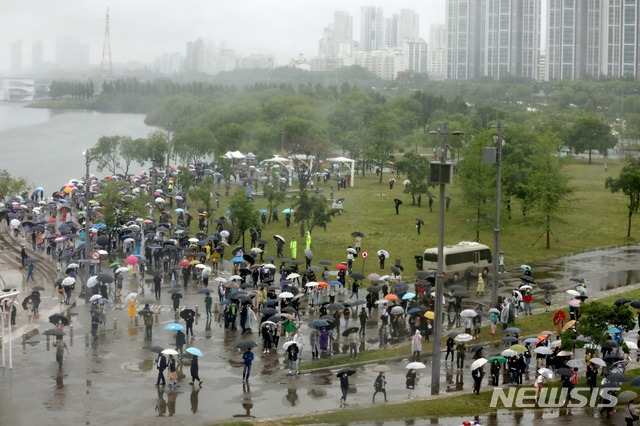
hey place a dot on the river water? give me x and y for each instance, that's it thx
(45, 146)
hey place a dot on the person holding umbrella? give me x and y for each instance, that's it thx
(189, 322)
(194, 370)
(131, 312)
(292, 356)
(344, 387)
(380, 385)
(416, 345)
(410, 382)
(247, 360)
(161, 365)
(477, 375)
(397, 203)
(148, 321)
(61, 346)
(461, 350)
(180, 341)
(173, 373)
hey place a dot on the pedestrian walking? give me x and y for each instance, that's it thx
(189, 322)
(148, 323)
(173, 373)
(298, 337)
(161, 365)
(354, 341)
(30, 269)
(410, 382)
(292, 356)
(344, 388)
(416, 345)
(380, 385)
(547, 301)
(180, 342)
(495, 372)
(480, 287)
(460, 354)
(477, 375)
(131, 312)
(314, 341)
(247, 360)
(451, 345)
(208, 301)
(95, 322)
(157, 285)
(23, 253)
(61, 346)
(363, 317)
(194, 371)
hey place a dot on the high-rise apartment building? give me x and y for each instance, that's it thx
(337, 38)
(437, 52)
(37, 57)
(401, 28)
(371, 29)
(493, 38)
(591, 38)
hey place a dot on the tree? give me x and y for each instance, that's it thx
(629, 183)
(312, 211)
(130, 152)
(10, 186)
(274, 198)
(589, 133)
(416, 167)
(382, 138)
(203, 194)
(106, 154)
(243, 213)
(477, 179)
(596, 317)
(548, 189)
(193, 143)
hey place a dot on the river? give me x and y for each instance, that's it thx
(45, 146)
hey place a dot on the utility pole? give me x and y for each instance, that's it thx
(496, 229)
(168, 150)
(282, 136)
(106, 48)
(87, 227)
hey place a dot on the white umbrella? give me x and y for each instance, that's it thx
(269, 266)
(68, 281)
(73, 266)
(293, 276)
(206, 271)
(397, 310)
(122, 269)
(131, 296)
(575, 363)
(193, 240)
(598, 361)
(385, 277)
(526, 287)
(256, 250)
(201, 266)
(286, 345)
(95, 297)
(631, 345)
(103, 252)
(463, 337)
(415, 366)
(170, 352)
(159, 200)
(235, 277)
(92, 281)
(478, 363)
(285, 295)
(381, 301)
(15, 223)
(573, 292)
(134, 227)
(556, 343)
(220, 280)
(311, 284)
(509, 353)
(224, 233)
(565, 353)
(543, 350)
(468, 313)
(383, 253)
(546, 373)
(352, 250)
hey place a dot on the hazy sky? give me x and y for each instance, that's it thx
(142, 30)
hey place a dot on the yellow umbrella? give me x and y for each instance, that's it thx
(429, 315)
(518, 348)
(194, 262)
(569, 325)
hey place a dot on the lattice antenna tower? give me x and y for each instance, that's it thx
(106, 47)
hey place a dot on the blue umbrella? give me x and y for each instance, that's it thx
(531, 340)
(228, 212)
(262, 211)
(174, 327)
(225, 302)
(413, 311)
(155, 247)
(237, 260)
(408, 296)
(334, 282)
(614, 330)
(99, 226)
(287, 211)
(271, 302)
(194, 351)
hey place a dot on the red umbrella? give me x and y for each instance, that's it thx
(559, 314)
(391, 296)
(183, 263)
(341, 266)
(131, 260)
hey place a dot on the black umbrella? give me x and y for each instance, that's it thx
(635, 381)
(357, 276)
(478, 346)
(30, 261)
(548, 287)
(296, 262)
(613, 357)
(269, 258)
(610, 344)
(324, 262)
(318, 323)
(395, 269)
(621, 301)
(237, 249)
(185, 313)
(335, 307)
(400, 288)
(419, 221)
(456, 287)
(617, 377)
(509, 339)
(500, 284)
(268, 311)
(279, 238)
(564, 371)
(53, 319)
(156, 349)
(53, 332)
(453, 334)
(635, 304)
(177, 290)
(350, 330)
(357, 234)
(245, 344)
(348, 371)
(461, 294)
(528, 279)
(289, 310)
(34, 299)
(38, 288)
(105, 278)
(374, 289)
(397, 201)
(249, 259)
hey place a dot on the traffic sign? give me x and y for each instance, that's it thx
(364, 254)
(95, 255)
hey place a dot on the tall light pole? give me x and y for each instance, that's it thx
(168, 150)
(87, 228)
(494, 155)
(282, 136)
(440, 173)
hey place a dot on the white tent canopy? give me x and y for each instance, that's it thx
(350, 163)
(234, 155)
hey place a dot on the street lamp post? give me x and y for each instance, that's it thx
(282, 136)
(496, 229)
(440, 173)
(87, 216)
(168, 150)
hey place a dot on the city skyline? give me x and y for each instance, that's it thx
(282, 28)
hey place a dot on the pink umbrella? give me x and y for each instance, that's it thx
(575, 303)
(131, 260)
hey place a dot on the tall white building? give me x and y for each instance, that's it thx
(437, 52)
(401, 28)
(337, 38)
(371, 29)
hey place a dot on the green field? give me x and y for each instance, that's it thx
(596, 218)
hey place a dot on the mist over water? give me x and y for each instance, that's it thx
(45, 146)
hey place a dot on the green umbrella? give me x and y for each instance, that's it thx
(114, 265)
(499, 358)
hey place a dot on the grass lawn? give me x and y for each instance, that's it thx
(595, 218)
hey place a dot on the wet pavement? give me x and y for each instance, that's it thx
(112, 380)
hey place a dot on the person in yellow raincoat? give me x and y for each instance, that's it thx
(293, 245)
(131, 312)
(308, 241)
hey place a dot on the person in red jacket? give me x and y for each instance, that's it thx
(527, 299)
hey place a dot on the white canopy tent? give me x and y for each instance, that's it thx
(231, 155)
(350, 163)
(283, 162)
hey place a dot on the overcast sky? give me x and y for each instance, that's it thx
(142, 30)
